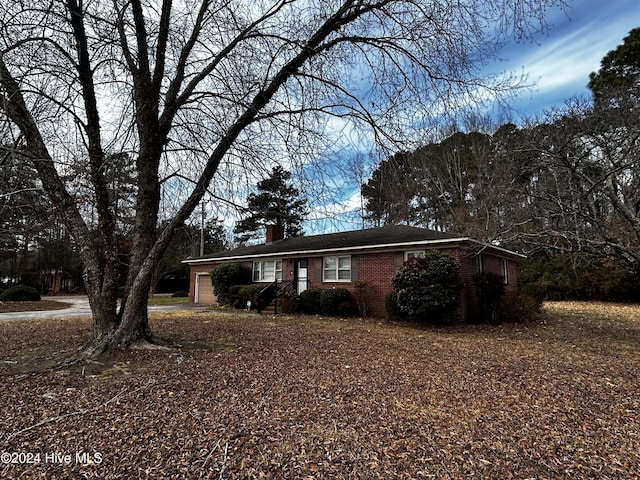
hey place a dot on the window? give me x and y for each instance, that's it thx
(267, 271)
(411, 254)
(337, 269)
(478, 265)
(505, 271)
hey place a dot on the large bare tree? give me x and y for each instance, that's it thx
(587, 199)
(192, 89)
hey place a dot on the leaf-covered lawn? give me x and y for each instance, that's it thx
(302, 397)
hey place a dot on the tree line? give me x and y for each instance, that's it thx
(567, 187)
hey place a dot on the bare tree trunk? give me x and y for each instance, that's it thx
(208, 80)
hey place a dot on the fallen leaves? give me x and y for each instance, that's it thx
(302, 397)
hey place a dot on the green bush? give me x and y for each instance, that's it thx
(336, 301)
(427, 287)
(224, 277)
(180, 294)
(310, 301)
(241, 294)
(20, 293)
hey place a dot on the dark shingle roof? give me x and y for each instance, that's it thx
(389, 235)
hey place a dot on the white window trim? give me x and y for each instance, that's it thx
(505, 271)
(337, 269)
(277, 271)
(413, 253)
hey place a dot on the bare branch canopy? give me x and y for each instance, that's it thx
(195, 87)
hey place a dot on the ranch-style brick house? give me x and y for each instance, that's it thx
(348, 259)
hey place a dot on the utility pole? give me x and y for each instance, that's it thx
(202, 229)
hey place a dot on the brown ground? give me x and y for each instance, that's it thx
(301, 397)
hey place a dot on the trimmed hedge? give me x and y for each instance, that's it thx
(332, 302)
(20, 293)
(336, 301)
(310, 301)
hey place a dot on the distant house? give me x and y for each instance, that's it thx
(57, 281)
(349, 259)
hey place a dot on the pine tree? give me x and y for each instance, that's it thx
(276, 202)
(617, 83)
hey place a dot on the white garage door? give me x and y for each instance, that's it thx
(204, 290)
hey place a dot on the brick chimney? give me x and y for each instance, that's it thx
(274, 233)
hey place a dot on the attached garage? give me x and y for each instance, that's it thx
(349, 259)
(204, 290)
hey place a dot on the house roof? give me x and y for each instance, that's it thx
(398, 236)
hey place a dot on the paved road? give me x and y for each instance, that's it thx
(79, 308)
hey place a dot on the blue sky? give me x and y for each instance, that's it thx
(557, 63)
(560, 61)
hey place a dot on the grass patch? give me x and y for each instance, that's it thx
(166, 300)
(42, 305)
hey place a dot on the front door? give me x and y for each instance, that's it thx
(302, 275)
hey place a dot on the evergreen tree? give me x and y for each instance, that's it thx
(617, 83)
(277, 202)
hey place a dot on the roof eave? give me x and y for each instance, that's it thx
(319, 251)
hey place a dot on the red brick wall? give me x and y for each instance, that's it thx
(206, 268)
(193, 270)
(377, 269)
(495, 265)
(466, 294)
(491, 264)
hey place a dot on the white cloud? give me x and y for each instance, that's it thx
(569, 60)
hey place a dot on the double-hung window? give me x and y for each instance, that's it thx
(413, 253)
(267, 271)
(337, 269)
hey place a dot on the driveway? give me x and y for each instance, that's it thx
(79, 308)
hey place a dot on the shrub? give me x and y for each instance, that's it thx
(559, 280)
(20, 293)
(519, 307)
(362, 294)
(310, 301)
(180, 294)
(288, 302)
(427, 287)
(224, 277)
(391, 306)
(335, 301)
(489, 290)
(243, 293)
